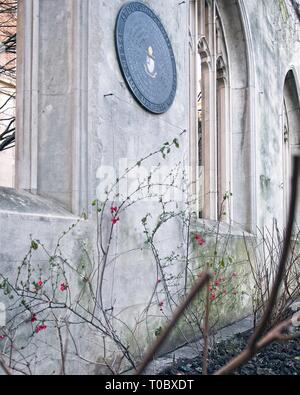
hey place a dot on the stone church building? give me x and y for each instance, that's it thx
(95, 216)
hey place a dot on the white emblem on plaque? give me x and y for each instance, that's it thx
(150, 64)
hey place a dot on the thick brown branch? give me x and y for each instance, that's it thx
(4, 367)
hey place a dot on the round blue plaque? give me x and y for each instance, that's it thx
(146, 57)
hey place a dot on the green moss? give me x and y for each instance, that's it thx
(265, 186)
(284, 10)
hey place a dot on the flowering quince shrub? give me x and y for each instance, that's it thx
(224, 291)
(51, 298)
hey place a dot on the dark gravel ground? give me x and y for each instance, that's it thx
(276, 359)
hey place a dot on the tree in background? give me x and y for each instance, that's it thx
(8, 27)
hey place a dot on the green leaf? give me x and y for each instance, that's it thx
(162, 150)
(158, 331)
(176, 142)
(34, 245)
(94, 202)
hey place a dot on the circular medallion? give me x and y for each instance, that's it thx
(146, 57)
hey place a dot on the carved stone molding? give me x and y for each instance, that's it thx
(204, 51)
(221, 69)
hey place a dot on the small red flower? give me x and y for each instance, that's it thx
(217, 283)
(213, 297)
(63, 287)
(115, 221)
(40, 328)
(33, 318)
(161, 304)
(2, 338)
(210, 288)
(234, 274)
(199, 239)
(158, 281)
(114, 210)
(38, 285)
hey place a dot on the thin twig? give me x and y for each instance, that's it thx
(204, 278)
(276, 333)
(284, 255)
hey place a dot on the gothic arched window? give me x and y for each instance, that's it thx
(212, 123)
(222, 103)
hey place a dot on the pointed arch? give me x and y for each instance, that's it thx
(226, 126)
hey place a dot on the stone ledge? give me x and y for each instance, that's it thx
(23, 203)
(210, 226)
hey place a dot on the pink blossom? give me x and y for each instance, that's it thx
(33, 318)
(115, 221)
(38, 285)
(199, 239)
(63, 287)
(40, 328)
(213, 297)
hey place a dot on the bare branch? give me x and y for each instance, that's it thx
(204, 278)
(276, 333)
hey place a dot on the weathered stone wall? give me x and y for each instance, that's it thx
(80, 87)
(274, 30)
